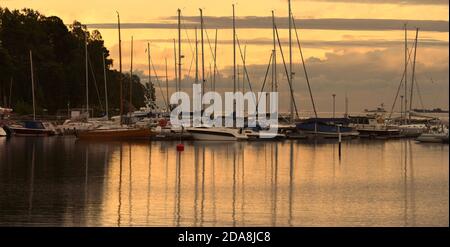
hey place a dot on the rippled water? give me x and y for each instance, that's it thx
(60, 181)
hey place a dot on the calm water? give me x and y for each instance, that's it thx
(60, 181)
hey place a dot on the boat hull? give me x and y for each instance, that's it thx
(433, 138)
(115, 134)
(212, 137)
(2, 132)
(351, 134)
(19, 131)
(205, 134)
(324, 130)
(379, 133)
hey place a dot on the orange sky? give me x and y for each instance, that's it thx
(326, 49)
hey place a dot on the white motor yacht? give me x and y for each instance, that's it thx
(216, 134)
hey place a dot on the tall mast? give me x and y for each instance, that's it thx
(167, 88)
(346, 105)
(87, 75)
(243, 69)
(290, 62)
(149, 65)
(32, 85)
(234, 52)
(406, 70)
(203, 51)
(196, 56)
(413, 73)
(175, 64)
(131, 76)
(234, 65)
(274, 57)
(215, 62)
(120, 69)
(106, 87)
(210, 77)
(179, 50)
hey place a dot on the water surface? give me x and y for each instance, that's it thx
(59, 181)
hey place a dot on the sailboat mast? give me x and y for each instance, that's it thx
(406, 71)
(346, 105)
(234, 65)
(413, 73)
(243, 69)
(203, 51)
(290, 61)
(196, 56)
(120, 69)
(274, 57)
(175, 64)
(234, 53)
(106, 87)
(210, 77)
(87, 75)
(167, 88)
(131, 76)
(149, 65)
(215, 62)
(32, 85)
(179, 50)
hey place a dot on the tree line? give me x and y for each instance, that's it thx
(59, 67)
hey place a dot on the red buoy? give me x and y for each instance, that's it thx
(180, 147)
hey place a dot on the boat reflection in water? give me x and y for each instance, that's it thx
(60, 181)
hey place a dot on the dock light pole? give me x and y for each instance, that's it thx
(334, 105)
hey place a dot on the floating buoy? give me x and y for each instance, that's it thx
(180, 147)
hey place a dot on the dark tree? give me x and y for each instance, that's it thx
(59, 65)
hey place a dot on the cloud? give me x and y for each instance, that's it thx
(265, 22)
(322, 44)
(402, 2)
(368, 78)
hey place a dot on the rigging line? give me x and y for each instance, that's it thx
(190, 45)
(245, 68)
(419, 93)
(304, 68)
(265, 78)
(159, 83)
(400, 85)
(285, 69)
(95, 82)
(212, 52)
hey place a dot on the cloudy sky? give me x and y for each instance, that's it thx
(351, 47)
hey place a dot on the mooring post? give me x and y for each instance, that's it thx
(340, 140)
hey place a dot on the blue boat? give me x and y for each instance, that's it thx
(326, 129)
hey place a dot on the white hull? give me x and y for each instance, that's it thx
(2, 132)
(216, 134)
(212, 137)
(435, 138)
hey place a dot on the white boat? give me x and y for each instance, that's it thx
(2, 132)
(412, 130)
(258, 135)
(435, 135)
(70, 127)
(216, 134)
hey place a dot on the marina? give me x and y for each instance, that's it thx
(228, 118)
